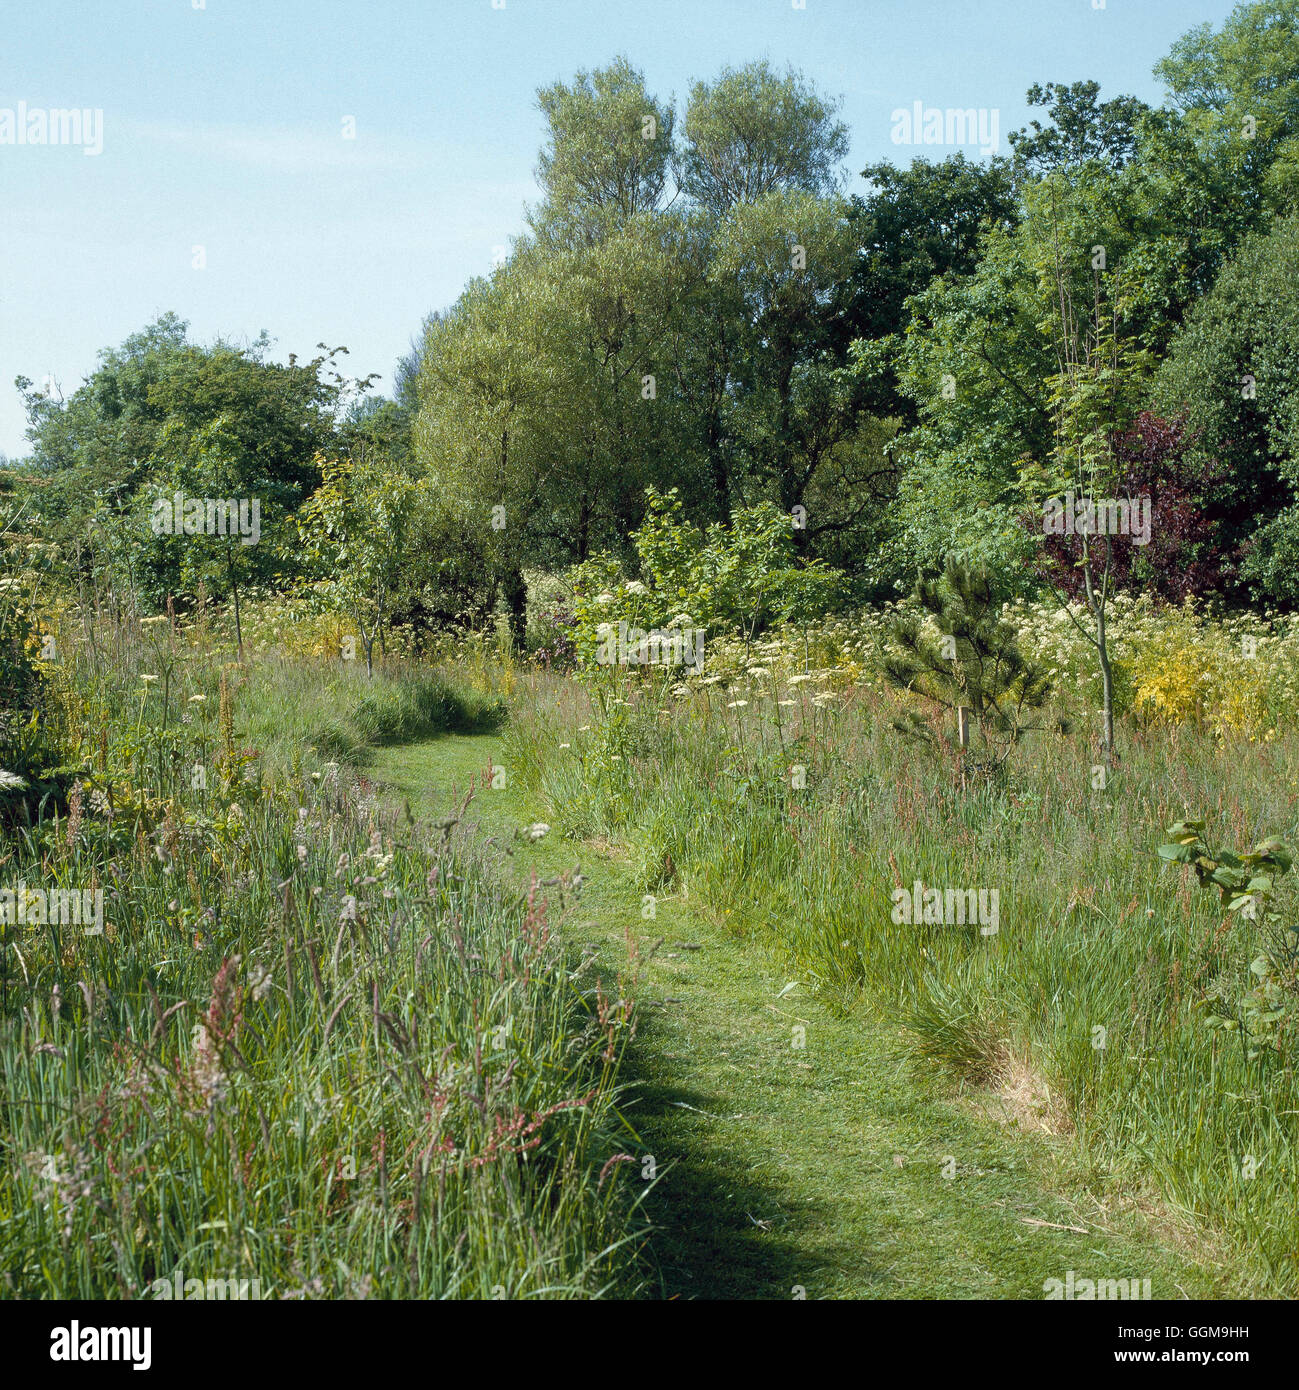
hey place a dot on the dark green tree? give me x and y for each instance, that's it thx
(958, 652)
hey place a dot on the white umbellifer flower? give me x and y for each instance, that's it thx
(736, 704)
(634, 586)
(603, 599)
(197, 699)
(148, 678)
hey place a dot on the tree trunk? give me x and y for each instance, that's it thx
(516, 597)
(1107, 687)
(234, 587)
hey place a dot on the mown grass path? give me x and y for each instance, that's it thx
(784, 1168)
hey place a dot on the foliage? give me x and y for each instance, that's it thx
(1245, 883)
(1178, 557)
(754, 132)
(962, 654)
(1232, 370)
(363, 529)
(739, 579)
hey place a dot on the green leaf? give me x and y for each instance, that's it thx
(1177, 854)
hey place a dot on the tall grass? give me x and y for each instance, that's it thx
(1096, 978)
(314, 1047)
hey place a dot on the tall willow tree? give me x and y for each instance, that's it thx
(643, 334)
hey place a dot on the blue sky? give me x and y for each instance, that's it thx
(223, 129)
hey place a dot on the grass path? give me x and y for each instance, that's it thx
(782, 1168)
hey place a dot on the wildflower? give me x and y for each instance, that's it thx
(148, 679)
(538, 831)
(10, 781)
(197, 699)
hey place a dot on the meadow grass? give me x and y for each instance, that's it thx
(316, 1046)
(785, 1148)
(1095, 985)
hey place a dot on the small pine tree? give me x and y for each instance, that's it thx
(959, 652)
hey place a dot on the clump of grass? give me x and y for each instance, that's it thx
(418, 707)
(950, 1025)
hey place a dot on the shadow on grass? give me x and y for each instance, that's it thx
(706, 1243)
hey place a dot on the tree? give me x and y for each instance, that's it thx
(1095, 385)
(975, 367)
(1081, 128)
(140, 420)
(223, 550)
(547, 400)
(916, 225)
(364, 527)
(607, 155)
(957, 652)
(754, 132)
(791, 404)
(1232, 369)
(1178, 556)
(1236, 93)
